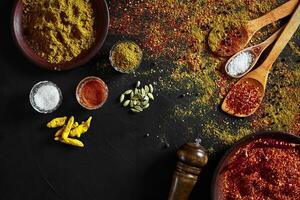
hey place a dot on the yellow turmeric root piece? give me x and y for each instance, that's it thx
(67, 129)
(60, 131)
(82, 128)
(71, 141)
(57, 122)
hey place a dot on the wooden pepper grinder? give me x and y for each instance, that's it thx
(192, 158)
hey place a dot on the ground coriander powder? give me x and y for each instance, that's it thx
(57, 30)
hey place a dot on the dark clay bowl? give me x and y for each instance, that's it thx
(101, 27)
(216, 183)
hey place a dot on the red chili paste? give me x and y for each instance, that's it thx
(264, 169)
(93, 93)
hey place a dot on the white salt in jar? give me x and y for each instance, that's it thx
(45, 97)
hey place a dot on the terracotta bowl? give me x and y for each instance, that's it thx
(217, 181)
(101, 27)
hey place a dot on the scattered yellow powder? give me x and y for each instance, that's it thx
(225, 135)
(295, 48)
(281, 105)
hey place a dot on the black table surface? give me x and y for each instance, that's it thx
(118, 161)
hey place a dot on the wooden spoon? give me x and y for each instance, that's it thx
(255, 51)
(258, 78)
(238, 37)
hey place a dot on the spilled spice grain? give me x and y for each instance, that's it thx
(295, 48)
(175, 33)
(281, 107)
(224, 133)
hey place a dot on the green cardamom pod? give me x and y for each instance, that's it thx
(134, 110)
(122, 97)
(126, 103)
(127, 92)
(151, 88)
(146, 89)
(150, 95)
(138, 84)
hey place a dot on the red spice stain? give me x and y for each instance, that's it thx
(160, 26)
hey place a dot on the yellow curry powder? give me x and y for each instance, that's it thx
(59, 30)
(126, 56)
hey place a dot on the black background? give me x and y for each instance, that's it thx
(118, 161)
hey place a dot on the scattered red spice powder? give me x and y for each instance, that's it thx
(262, 172)
(93, 93)
(296, 125)
(176, 32)
(243, 98)
(223, 84)
(232, 43)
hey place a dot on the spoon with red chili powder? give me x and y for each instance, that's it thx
(246, 95)
(228, 40)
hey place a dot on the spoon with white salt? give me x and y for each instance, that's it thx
(243, 61)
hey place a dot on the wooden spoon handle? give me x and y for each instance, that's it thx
(283, 39)
(272, 38)
(278, 13)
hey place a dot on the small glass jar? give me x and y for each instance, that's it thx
(91, 92)
(116, 67)
(39, 100)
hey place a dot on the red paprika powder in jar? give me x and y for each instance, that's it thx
(91, 93)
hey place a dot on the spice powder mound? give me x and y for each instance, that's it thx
(263, 169)
(57, 30)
